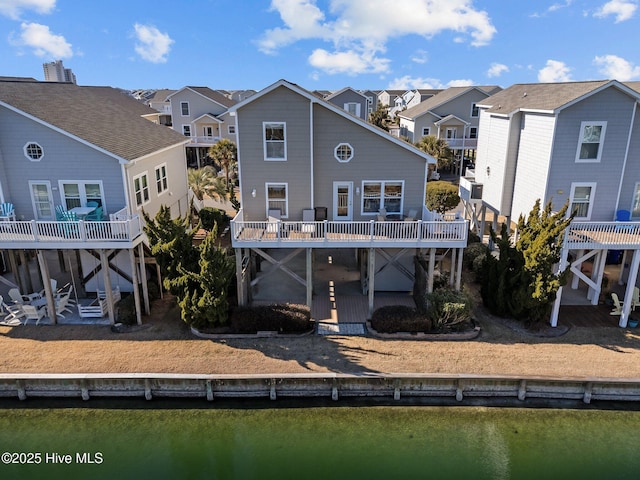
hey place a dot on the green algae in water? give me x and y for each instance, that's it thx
(326, 443)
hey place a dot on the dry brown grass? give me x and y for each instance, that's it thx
(166, 345)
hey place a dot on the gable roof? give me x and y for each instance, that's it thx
(212, 95)
(441, 98)
(345, 89)
(103, 117)
(159, 95)
(547, 97)
(335, 109)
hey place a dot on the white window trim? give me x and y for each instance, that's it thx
(600, 145)
(230, 128)
(26, 154)
(357, 108)
(264, 141)
(428, 129)
(471, 129)
(188, 109)
(635, 190)
(473, 106)
(284, 214)
(135, 200)
(335, 152)
(382, 184)
(82, 191)
(166, 179)
(591, 199)
(183, 132)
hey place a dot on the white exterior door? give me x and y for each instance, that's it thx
(42, 200)
(342, 201)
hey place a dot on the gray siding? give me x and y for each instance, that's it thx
(198, 105)
(64, 159)
(281, 105)
(631, 174)
(614, 107)
(351, 96)
(375, 158)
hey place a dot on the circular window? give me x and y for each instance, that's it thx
(343, 152)
(33, 152)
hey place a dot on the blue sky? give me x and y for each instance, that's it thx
(322, 44)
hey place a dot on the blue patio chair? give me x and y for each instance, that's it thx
(70, 229)
(92, 204)
(60, 211)
(95, 216)
(7, 211)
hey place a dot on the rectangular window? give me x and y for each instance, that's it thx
(141, 189)
(591, 140)
(451, 133)
(474, 110)
(78, 193)
(426, 131)
(186, 130)
(184, 109)
(275, 145)
(277, 198)
(161, 179)
(635, 207)
(473, 132)
(581, 200)
(382, 195)
(231, 129)
(353, 108)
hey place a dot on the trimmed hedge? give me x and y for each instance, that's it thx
(399, 318)
(282, 318)
(213, 216)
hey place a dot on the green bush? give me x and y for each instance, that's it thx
(399, 318)
(472, 252)
(442, 196)
(213, 216)
(282, 318)
(478, 266)
(473, 237)
(449, 310)
(126, 308)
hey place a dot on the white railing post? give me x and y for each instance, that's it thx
(419, 235)
(372, 228)
(325, 226)
(81, 230)
(34, 230)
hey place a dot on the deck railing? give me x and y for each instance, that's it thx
(35, 231)
(362, 233)
(616, 235)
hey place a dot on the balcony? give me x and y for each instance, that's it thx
(120, 233)
(203, 141)
(329, 234)
(601, 235)
(462, 143)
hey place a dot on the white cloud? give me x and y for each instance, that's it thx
(13, 8)
(553, 8)
(617, 68)
(43, 42)
(497, 69)
(420, 56)
(408, 82)
(359, 28)
(554, 71)
(349, 62)
(621, 9)
(153, 45)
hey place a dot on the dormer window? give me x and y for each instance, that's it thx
(33, 151)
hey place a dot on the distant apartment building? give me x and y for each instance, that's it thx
(55, 72)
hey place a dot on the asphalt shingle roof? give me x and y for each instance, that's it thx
(102, 116)
(440, 98)
(215, 96)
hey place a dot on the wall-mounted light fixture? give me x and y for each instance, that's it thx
(253, 193)
(488, 171)
(357, 190)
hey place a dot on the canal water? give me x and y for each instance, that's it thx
(368, 442)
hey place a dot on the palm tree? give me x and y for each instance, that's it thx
(437, 148)
(225, 155)
(204, 181)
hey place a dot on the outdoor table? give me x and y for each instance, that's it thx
(82, 212)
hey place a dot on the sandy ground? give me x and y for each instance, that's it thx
(165, 345)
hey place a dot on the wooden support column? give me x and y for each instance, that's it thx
(600, 273)
(483, 222)
(432, 265)
(27, 274)
(622, 268)
(309, 263)
(459, 268)
(15, 269)
(564, 255)
(575, 280)
(79, 273)
(452, 273)
(46, 280)
(136, 286)
(242, 301)
(143, 279)
(63, 267)
(371, 273)
(631, 283)
(104, 262)
(159, 280)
